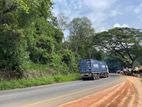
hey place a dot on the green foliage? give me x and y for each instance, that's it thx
(13, 44)
(64, 62)
(13, 53)
(56, 63)
(30, 66)
(23, 4)
(71, 60)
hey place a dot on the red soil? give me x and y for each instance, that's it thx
(126, 94)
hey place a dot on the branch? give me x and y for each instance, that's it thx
(127, 51)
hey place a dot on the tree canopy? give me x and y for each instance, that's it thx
(121, 42)
(81, 33)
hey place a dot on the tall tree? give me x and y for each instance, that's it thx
(63, 22)
(81, 33)
(121, 42)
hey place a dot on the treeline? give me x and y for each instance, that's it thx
(32, 39)
(118, 47)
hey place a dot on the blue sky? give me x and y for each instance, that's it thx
(104, 14)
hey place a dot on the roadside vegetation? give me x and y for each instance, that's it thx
(22, 83)
(35, 51)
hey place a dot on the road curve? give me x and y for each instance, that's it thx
(55, 94)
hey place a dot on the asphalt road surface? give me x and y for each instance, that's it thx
(55, 94)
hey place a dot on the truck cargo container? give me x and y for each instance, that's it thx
(93, 69)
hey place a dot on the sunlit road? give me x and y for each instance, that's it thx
(56, 94)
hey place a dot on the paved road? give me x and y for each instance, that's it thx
(56, 94)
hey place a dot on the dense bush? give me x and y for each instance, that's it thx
(13, 52)
(64, 62)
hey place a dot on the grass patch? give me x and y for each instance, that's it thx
(36, 67)
(22, 83)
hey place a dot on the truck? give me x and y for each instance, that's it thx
(93, 69)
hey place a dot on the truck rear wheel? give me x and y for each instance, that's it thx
(107, 74)
(104, 75)
(95, 76)
(98, 76)
(83, 78)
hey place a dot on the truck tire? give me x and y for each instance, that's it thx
(107, 74)
(95, 76)
(83, 78)
(98, 76)
(103, 75)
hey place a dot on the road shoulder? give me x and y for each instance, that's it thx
(125, 94)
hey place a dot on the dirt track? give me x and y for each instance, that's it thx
(126, 94)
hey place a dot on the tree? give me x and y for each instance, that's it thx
(81, 33)
(121, 42)
(13, 44)
(114, 63)
(63, 21)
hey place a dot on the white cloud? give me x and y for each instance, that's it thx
(99, 5)
(121, 26)
(76, 7)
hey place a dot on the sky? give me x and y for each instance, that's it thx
(104, 14)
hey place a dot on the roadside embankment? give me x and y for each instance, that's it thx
(22, 83)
